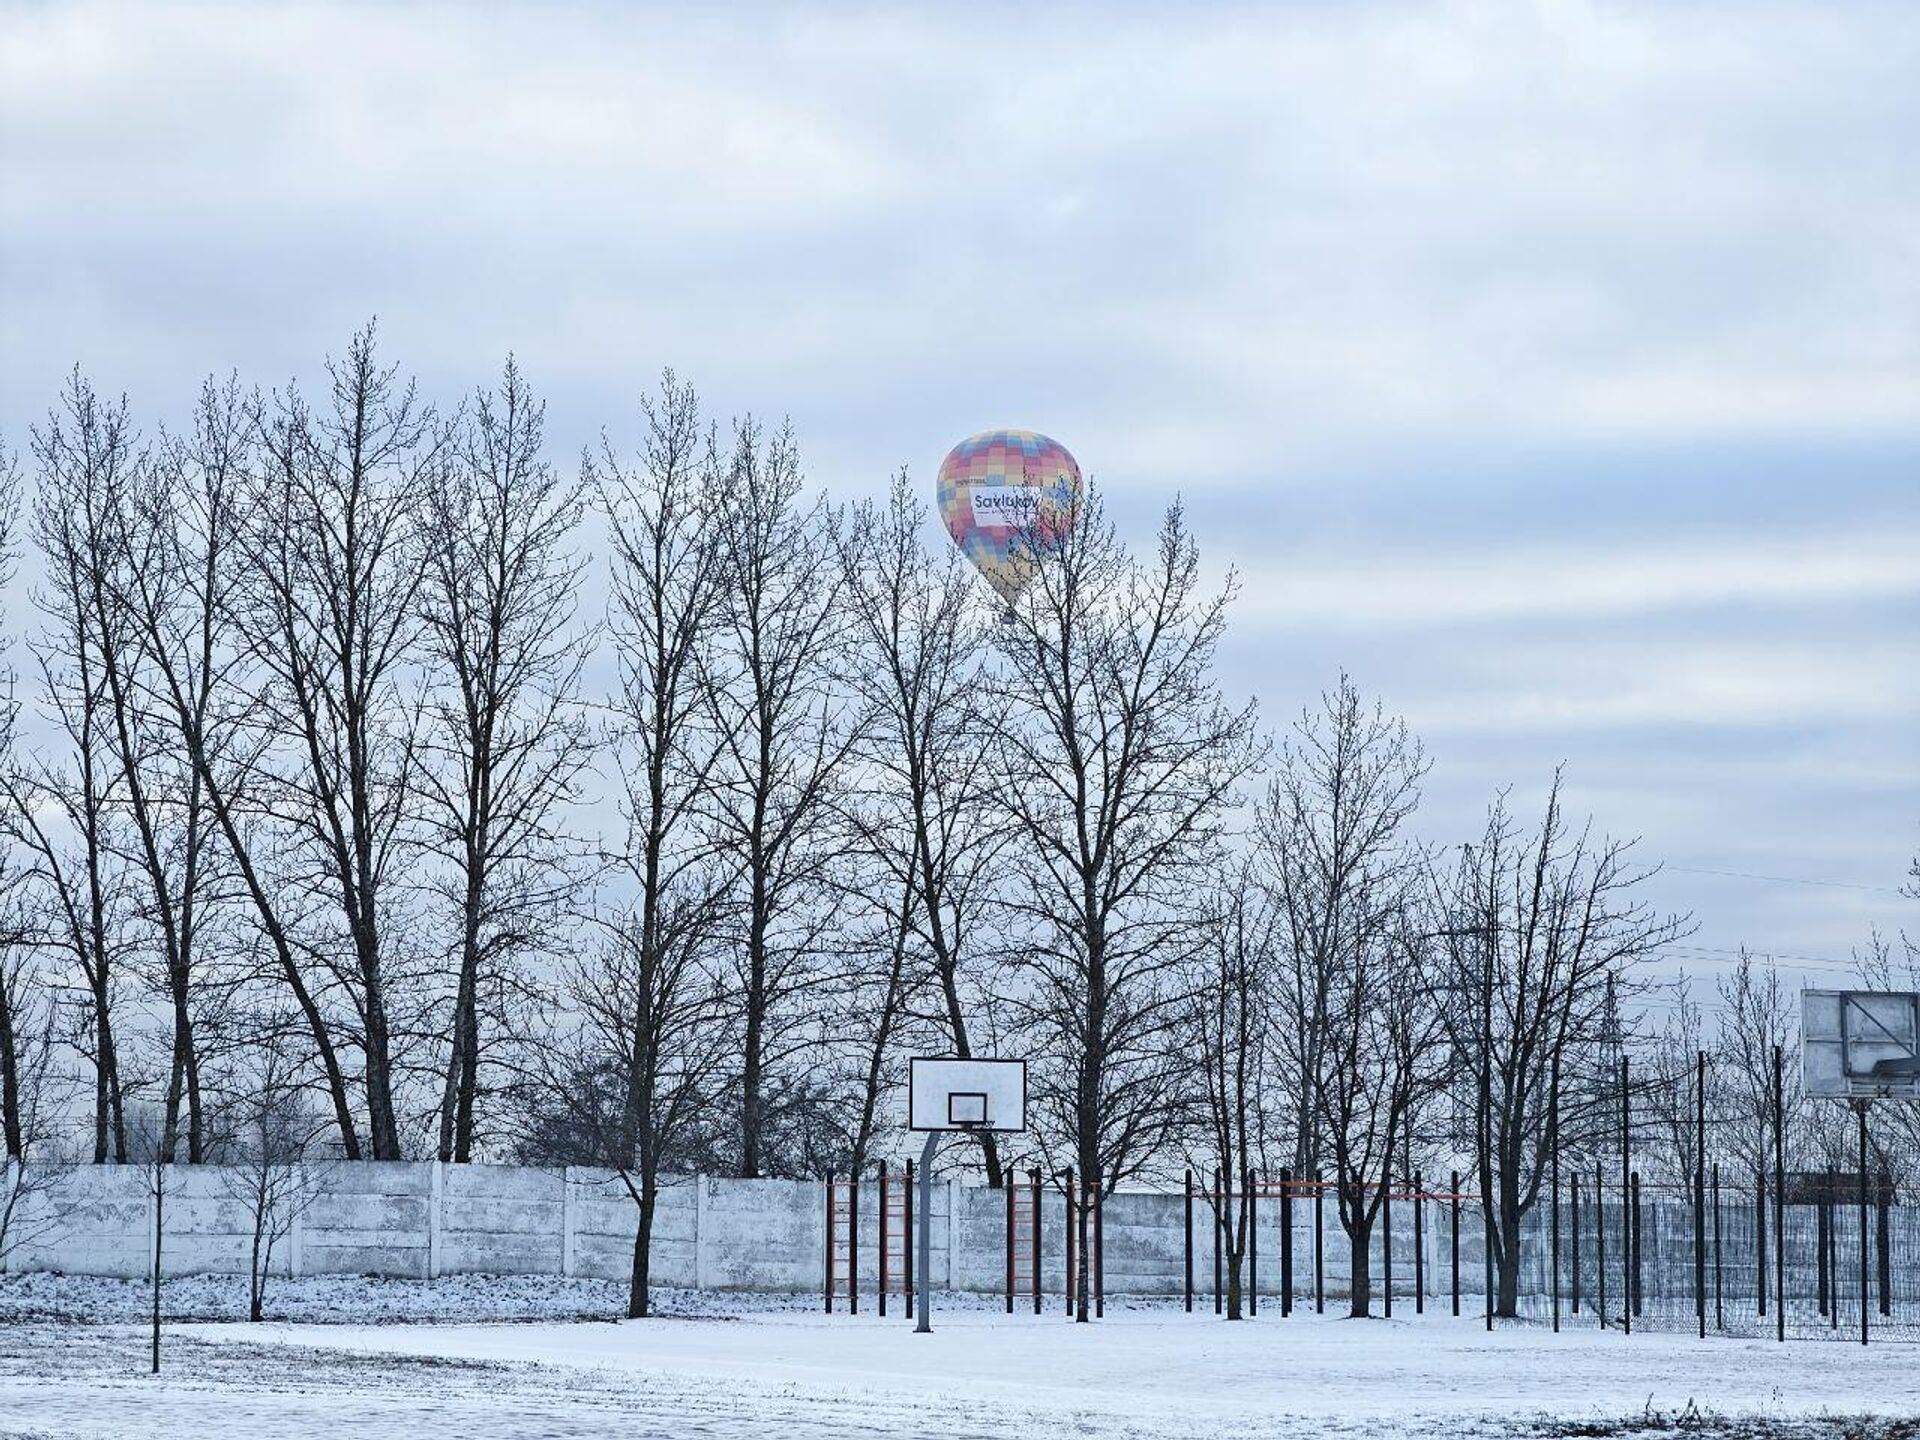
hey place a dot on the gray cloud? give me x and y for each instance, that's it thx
(1551, 366)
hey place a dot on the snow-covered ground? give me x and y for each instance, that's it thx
(1144, 1373)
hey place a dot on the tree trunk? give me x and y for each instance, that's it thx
(456, 1098)
(751, 1077)
(254, 1276)
(180, 1075)
(1083, 1260)
(10, 1079)
(159, 1233)
(109, 1120)
(638, 1287)
(1507, 1274)
(382, 1131)
(1360, 1269)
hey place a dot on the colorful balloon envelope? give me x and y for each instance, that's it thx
(1002, 492)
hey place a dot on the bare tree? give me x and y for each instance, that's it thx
(507, 738)
(1886, 964)
(1231, 1016)
(1384, 1056)
(1115, 765)
(786, 736)
(1541, 931)
(268, 1172)
(22, 1001)
(87, 529)
(865, 1009)
(1758, 1017)
(64, 811)
(924, 807)
(649, 999)
(1670, 1071)
(334, 561)
(1331, 834)
(35, 1168)
(183, 577)
(147, 1152)
(653, 1014)
(1355, 1042)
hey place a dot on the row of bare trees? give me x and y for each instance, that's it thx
(1368, 1007)
(648, 812)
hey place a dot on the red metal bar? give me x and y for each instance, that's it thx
(1007, 1183)
(1033, 1177)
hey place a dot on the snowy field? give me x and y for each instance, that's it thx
(1142, 1374)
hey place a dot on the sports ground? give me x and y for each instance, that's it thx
(1138, 1375)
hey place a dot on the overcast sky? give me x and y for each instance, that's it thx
(1555, 369)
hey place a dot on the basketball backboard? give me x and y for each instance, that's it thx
(1860, 1044)
(948, 1093)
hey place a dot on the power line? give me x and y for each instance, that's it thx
(1785, 879)
(1690, 951)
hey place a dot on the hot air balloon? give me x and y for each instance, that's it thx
(1000, 489)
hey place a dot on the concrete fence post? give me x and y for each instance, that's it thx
(953, 1232)
(567, 1221)
(435, 1188)
(297, 1227)
(700, 1232)
(153, 1218)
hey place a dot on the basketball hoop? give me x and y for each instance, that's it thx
(949, 1093)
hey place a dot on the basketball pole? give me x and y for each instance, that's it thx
(923, 1290)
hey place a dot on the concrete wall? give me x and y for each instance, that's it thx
(421, 1219)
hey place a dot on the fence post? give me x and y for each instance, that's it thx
(1453, 1244)
(1319, 1243)
(1639, 1252)
(1760, 1238)
(1861, 1107)
(1033, 1179)
(1186, 1248)
(1553, 1201)
(1286, 1241)
(700, 1270)
(1700, 1193)
(853, 1243)
(1253, 1244)
(1573, 1217)
(1219, 1235)
(1600, 1245)
(883, 1240)
(908, 1240)
(827, 1287)
(1719, 1289)
(1833, 1247)
(1883, 1236)
(1419, 1248)
(1629, 1291)
(1823, 1224)
(1386, 1233)
(1779, 1197)
(1486, 1245)
(567, 1219)
(1073, 1238)
(297, 1230)
(1099, 1250)
(1007, 1188)
(436, 1180)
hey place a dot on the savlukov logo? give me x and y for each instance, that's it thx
(1003, 507)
